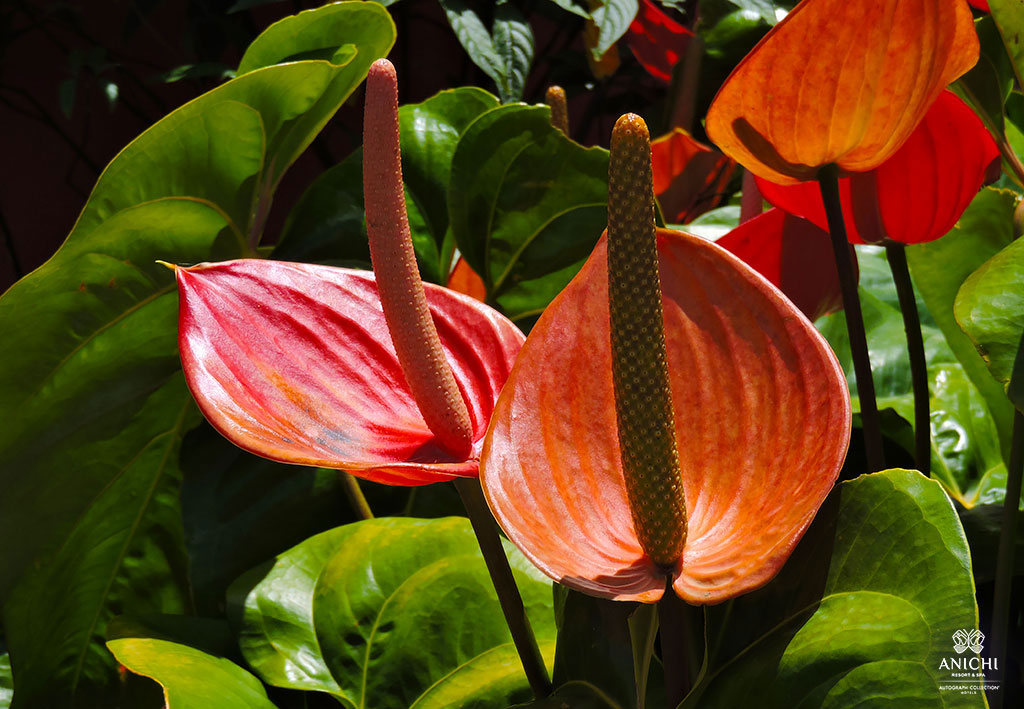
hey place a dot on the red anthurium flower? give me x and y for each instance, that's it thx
(294, 362)
(657, 41)
(916, 195)
(751, 420)
(840, 82)
(794, 255)
(689, 177)
(979, 4)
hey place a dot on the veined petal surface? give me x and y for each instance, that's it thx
(762, 416)
(919, 193)
(794, 255)
(294, 362)
(657, 41)
(840, 82)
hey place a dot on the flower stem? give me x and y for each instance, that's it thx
(674, 633)
(504, 583)
(1004, 558)
(897, 257)
(355, 496)
(828, 182)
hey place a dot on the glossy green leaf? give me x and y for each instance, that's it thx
(988, 84)
(764, 8)
(612, 18)
(940, 267)
(6, 681)
(513, 43)
(328, 222)
(865, 608)
(1010, 20)
(966, 455)
(190, 677)
(571, 6)
(990, 309)
(239, 510)
(711, 225)
(389, 612)
(574, 695)
(527, 205)
(91, 387)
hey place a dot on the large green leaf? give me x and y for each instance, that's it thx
(863, 613)
(239, 510)
(939, 269)
(191, 678)
(613, 18)
(1010, 20)
(389, 612)
(328, 223)
(988, 84)
(966, 455)
(990, 309)
(90, 388)
(526, 205)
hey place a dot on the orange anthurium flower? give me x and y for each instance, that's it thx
(916, 195)
(464, 279)
(794, 255)
(689, 177)
(840, 82)
(294, 362)
(657, 41)
(762, 423)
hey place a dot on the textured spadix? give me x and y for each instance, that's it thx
(762, 424)
(294, 362)
(840, 82)
(916, 195)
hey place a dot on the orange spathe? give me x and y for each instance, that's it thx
(840, 82)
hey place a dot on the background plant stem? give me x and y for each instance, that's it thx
(508, 593)
(828, 183)
(355, 496)
(897, 257)
(674, 632)
(1004, 558)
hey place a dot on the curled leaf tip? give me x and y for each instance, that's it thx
(643, 398)
(412, 329)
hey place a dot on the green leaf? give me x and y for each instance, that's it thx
(239, 510)
(389, 612)
(940, 267)
(1010, 20)
(479, 45)
(191, 678)
(765, 9)
(966, 455)
(713, 224)
(513, 43)
(990, 309)
(526, 205)
(612, 18)
(91, 388)
(574, 695)
(570, 6)
(328, 223)
(865, 608)
(6, 681)
(987, 86)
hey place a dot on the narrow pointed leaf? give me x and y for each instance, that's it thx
(736, 349)
(862, 616)
(840, 82)
(352, 612)
(918, 194)
(689, 177)
(794, 255)
(294, 362)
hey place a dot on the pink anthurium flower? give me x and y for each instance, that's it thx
(682, 432)
(657, 41)
(794, 255)
(371, 373)
(689, 177)
(916, 195)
